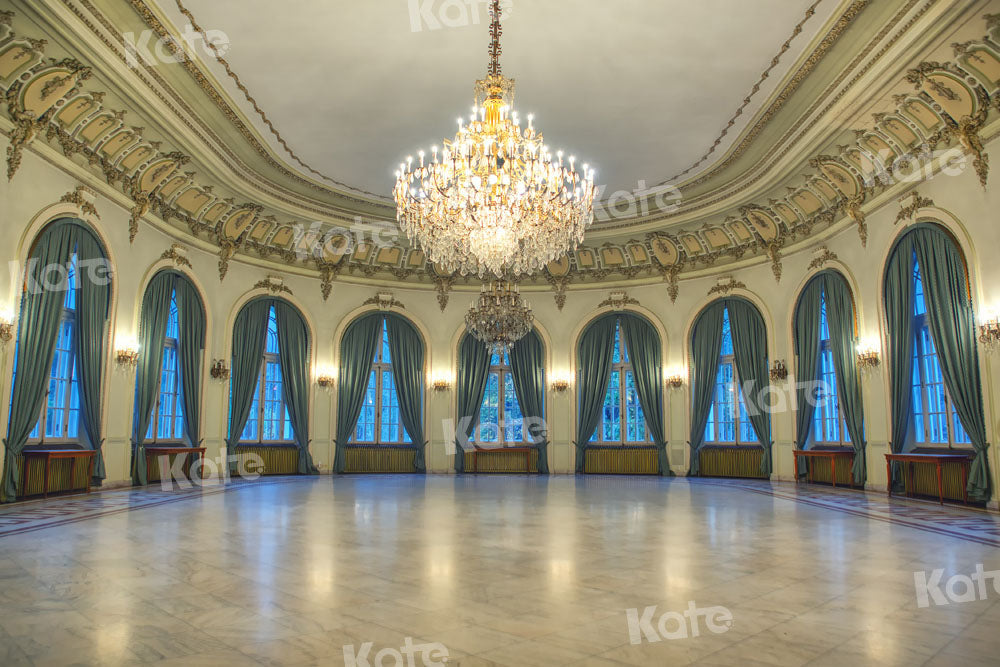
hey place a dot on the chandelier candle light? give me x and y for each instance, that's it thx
(495, 198)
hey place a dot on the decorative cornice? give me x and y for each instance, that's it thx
(384, 301)
(83, 197)
(176, 253)
(821, 259)
(726, 287)
(273, 284)
(917, 202)
(618, 300)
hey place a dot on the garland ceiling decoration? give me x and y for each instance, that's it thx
(945, 104)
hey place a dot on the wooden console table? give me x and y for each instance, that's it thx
(937, 460)
(517, 450)
(830, 454)
(48, 455)
(154, 453)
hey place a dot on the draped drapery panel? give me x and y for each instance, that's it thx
(527, 366)
(357, 354)
(406, 349)
(470, 388)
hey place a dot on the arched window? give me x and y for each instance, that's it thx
(500, 420)
(935, 419)
(269, 421)
(169, 408)
(60, 417)
(728, 422)
(380, 422)
(622, 420)
(829, 427)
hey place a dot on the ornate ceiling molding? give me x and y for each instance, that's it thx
(47, 100)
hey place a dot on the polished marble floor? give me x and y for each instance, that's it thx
(497, 570)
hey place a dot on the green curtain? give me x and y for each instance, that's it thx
(706, 346)
(153, 319)
(93, 301)
(38, 328)
(357, 354)
(806, 328)
(595, 352)
(840, 318)
(898, 297)
(952, 326)
(473, 373)
(406, 349)
(191, 329)
(527, 368)
(750, 349)
(249, 336)
(293, 352)
(643, 345)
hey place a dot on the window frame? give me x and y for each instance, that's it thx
(169, 343)
(921, 328)
(260, 399)
(502, 371)
(739, 402)
(820, 410)
(68, 316)
(620, 370)
(381, 367)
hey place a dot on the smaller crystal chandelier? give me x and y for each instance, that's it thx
(500, 317)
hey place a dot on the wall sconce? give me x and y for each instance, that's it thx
(674, 377)
(219, 370)
(868, 355)
(779, 371)
(6, 328)
(441, 382)
(325, 381)
(989, 331)
(127, 358)
(560, 385)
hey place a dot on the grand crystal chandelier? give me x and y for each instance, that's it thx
(495, 199)
(500, 317)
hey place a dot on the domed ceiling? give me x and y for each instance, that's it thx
(775, 119)
(642, 89)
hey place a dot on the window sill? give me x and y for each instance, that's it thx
(730, 445)
(265, 444)
(620, 445)
(370, 445)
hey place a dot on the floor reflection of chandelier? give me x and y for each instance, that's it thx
(500, 317)
(495, 199)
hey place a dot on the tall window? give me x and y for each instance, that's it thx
(935, 419)
(622, 420)
(727, 418)
(269, 421)
(829, 427)
(60, 418)
(500, 420)
(379, 422)
(168, 424)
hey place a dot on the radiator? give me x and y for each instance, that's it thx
(732, 461)
(616, 460)
(59, 479)
(278, 459)
(925, 480)
(379, 459)
(500, 460)
(821, 471)
(153, 465)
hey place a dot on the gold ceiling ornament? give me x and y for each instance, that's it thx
(495, 199)
(384, 300)
(917, 202)
(273, 284)
(500, 317)
(726, 285)
(821, 257)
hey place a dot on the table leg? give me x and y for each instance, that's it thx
(888, 477)
(940, 485)
(45, 489)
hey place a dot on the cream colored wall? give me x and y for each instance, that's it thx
(32, 199)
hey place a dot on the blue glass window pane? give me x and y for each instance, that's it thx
(727, 335)
(386, 358)
(512, 419)
(271, 344)
(489, 412)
